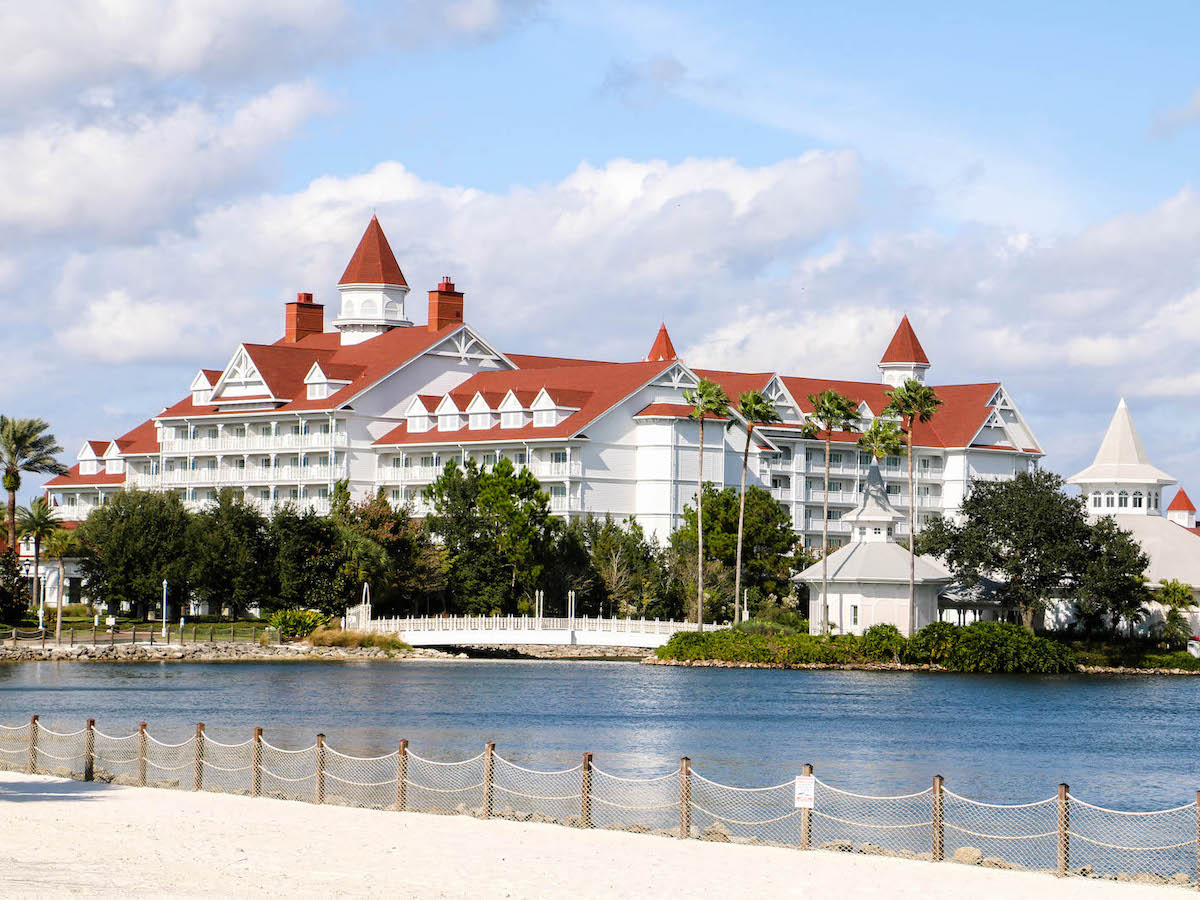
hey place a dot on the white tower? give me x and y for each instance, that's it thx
(874, 520)
(373, 290)
(904, 357)
(1121, 481)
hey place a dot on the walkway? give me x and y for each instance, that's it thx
(65, 838)
(464, 631)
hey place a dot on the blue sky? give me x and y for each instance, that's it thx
(780, 182)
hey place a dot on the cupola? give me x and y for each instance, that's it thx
(662, 350)
(1182, 511)
(1121, 481)
(373, 290)
(904, 358)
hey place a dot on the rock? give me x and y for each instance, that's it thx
(874, 850)
(716, 832)
(1083, 871)
(1181, 878)
(837, 846)
(572, 822)
(971, 856)
(638, 828)
(995, 862)
(1149, 878)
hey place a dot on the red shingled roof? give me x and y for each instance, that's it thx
(98, 447)
(673, 411)
(72, 477)
(662, 350)
(143, 439)
(905, 348)
(373, 262)
(1181, 503)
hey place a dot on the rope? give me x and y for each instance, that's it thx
(870, 824)
(267, 771)
(329, 749)
(221, 769)
(1119, 812)
(361, 783)
(14, 727)
(1000, 805)
(308, 749)
(741, 822)
(434, 762)
(460, 790)
(186, 765)
(730, 787)
(116, 762)
(1117, 847)
(109, 737)
(596, 799)
(42, 730)
(18, 750)
(873, 796)
(537, 771)
(535, 796)
(1000, 837)
(229, 746)
(670, 774)
(168, 746)
(59, 758)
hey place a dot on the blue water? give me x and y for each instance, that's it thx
(1123, 741)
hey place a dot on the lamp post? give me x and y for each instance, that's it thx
(164, 614)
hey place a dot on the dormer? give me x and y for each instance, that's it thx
(514, 409)
(480, 415)
(114, 464)
(904, 358)
(865, 416)
(91, 457)
(449, 416)
(321, 384)
(202, 386)
(373, 290)
(552, 406)
(420, 413)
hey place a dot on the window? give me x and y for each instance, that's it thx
(559, 456)
(543, 418)
(835, 487)
(489, 460)
(1137, 499)
(558, 490)
(480, 420)
(1109, 500)
(512, 419)
(835, 459)
(427, 461)
(240, 464)
(519, 459)
(890, 530)
(1097, 502)
(862, 531)
(878, 531)
(853, 614)
(786, 453)
(448, 423)
(1156, 499)
(893, 490)
(834, 515)
(70, 499)
(1123, 499)
(893, 462)
(864, 459)
(264, 495)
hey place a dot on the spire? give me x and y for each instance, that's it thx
(373, 262)
(663, 350)
(904, 348)
(874, 510)
(1122, 457)
(1181, 503)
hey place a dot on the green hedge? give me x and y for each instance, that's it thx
(982, 647)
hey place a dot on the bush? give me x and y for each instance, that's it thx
(883, 642)
(932, 644)
(297, 623)
(1003, 647)
(336, 637)
(793, 623)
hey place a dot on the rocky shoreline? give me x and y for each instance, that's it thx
(888, 667)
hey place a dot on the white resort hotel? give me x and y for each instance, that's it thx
(385, 402)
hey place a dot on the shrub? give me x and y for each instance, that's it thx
(883, 642)
(336, 637)
(784, 624)
(297, 623)
(1003, 647)
(933, 643)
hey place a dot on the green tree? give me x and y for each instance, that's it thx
(882, 439)
(707, 399)
(131, 544)
(36, 522)
(392, 561)
(233, 559)
(13, 599)
(1111, 583)
(755, 409)
(1178, 598)
(61, 545)
(915, 403)
(26, 445)
(832, 411)
(308, 561)
(1026, 533)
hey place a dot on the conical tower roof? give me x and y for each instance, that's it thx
(1181, 503)
(373, 262)
(663, 350)
(1122, 458)
(904, 348)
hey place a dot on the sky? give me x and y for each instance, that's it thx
(779, 183)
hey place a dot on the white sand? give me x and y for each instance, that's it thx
(62, 837)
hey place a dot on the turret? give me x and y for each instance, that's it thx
(373, 290)
(904, 357)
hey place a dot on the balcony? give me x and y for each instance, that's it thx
(256, 442)
(543, 468)
(782, 494)
(559, 503)
(836, 526)
(851, 497)
(404, 474)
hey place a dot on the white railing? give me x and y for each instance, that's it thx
(542, 467)
(492, 624)
(252, 442)
(836, 526)
(559, 504)
(782, 494)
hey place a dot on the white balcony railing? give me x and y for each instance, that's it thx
(256, 442)
(559, 503)
(544, 468)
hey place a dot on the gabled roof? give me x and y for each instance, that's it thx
(904, 348)
(98, 447)
(72, 477)
(528, 361)
(1181, 503)
(736, 383)
(673, 411)
(662, 350)
(373, 262)
(1122, 457)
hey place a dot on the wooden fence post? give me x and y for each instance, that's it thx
(685, 798)
(939, 827)
(256, 764)
(89, 751)
(806, 818)
(402, 775)
(198, 774)
(1064, 826)
(320, 768)
(33, 730)
(489, 765)
(141, 776)
(585, 793)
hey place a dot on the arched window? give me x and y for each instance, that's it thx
(1123, 499)
(1096, 501)
(1109, 500)
(1156, 499)
(1137, 499)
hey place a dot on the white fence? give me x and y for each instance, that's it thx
(1061, 835)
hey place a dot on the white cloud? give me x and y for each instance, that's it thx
(1180, 117)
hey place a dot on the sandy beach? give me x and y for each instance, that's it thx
(61, 837)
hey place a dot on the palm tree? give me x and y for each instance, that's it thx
(913, 402)
(882, 439)
(832, 411)
(61, 545)
(708, 399)
(36, 521)
(755, 409)
(25, 446)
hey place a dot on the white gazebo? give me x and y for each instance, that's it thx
(868, 577)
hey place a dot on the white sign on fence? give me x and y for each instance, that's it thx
(806, 788)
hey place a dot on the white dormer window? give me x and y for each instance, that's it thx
(449, 422)
(481, 420)
(420, 423)
(544, 418)
(512, 419)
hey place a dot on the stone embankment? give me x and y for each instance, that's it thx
(215, 652)
(889, 667)
(549, 651)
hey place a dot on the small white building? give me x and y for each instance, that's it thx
(868, 577)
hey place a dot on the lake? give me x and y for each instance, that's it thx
(1121, 741)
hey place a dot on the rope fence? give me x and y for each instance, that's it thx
(1061, 835)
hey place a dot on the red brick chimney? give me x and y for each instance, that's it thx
(445, 306)
(303, 318)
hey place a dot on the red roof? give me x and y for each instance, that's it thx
(737, 383)
(143, 439)
(905, 348)
(98, 447)
(673, 411)
(662, 350)
(1181, 503)
(527, 361)
(373, 262)
(72, 477)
